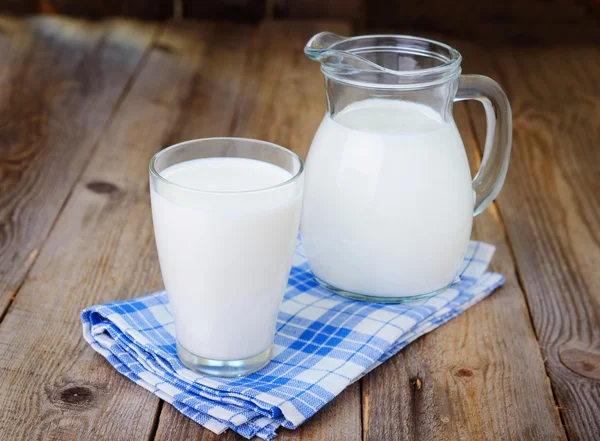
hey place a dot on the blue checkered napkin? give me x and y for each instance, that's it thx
(323, 343)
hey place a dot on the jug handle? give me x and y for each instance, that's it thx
(498, 142)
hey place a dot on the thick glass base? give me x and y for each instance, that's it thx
(377, 299)
(223, 368)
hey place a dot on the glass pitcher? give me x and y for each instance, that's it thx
(389, 202)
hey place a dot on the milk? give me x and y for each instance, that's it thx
(225, 255)
(388, 200)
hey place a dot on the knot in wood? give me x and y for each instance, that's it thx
(163, 47)
(416, 383)
(584, 361)
(464, 372)
(76, 395)
(102, 187)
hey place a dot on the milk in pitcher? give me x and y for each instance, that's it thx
(388, 200)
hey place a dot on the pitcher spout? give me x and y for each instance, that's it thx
(328, 49)
(321, 43)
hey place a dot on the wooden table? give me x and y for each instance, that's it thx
(83, 107)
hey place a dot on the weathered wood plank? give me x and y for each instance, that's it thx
(281, 99)
(236, 10)
(60, 82)
(53, 386)
(210, 107)
(18, 7)
(102, 248)
(285, 99)
(146, 9)
(339, 420)
(481, 376)
(509, 21)
(551, 207)
(311, 9)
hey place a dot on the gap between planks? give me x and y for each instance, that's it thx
(555, 115)
(65, 367)
(123, 94)
(519, 276)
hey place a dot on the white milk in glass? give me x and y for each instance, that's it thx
(388, 200)
(226, 257)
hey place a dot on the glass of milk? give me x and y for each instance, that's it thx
(226, 214)
(389, 200)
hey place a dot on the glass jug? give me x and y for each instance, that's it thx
(388, 201)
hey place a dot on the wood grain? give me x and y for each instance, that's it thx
(210, 106)
(61, 80)
(285, 99)
(339, 420)
(479, 377)
(146, 9)
(53, 386)
(551, 207)
(280, 98)
(509, 21)
(333, 9)
(236, 10)
(154, 9)
(18, 7)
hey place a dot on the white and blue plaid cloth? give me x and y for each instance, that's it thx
(323, 343)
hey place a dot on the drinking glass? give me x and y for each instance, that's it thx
(225, 256)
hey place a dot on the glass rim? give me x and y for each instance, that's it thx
(277, 147)
(407, 79)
